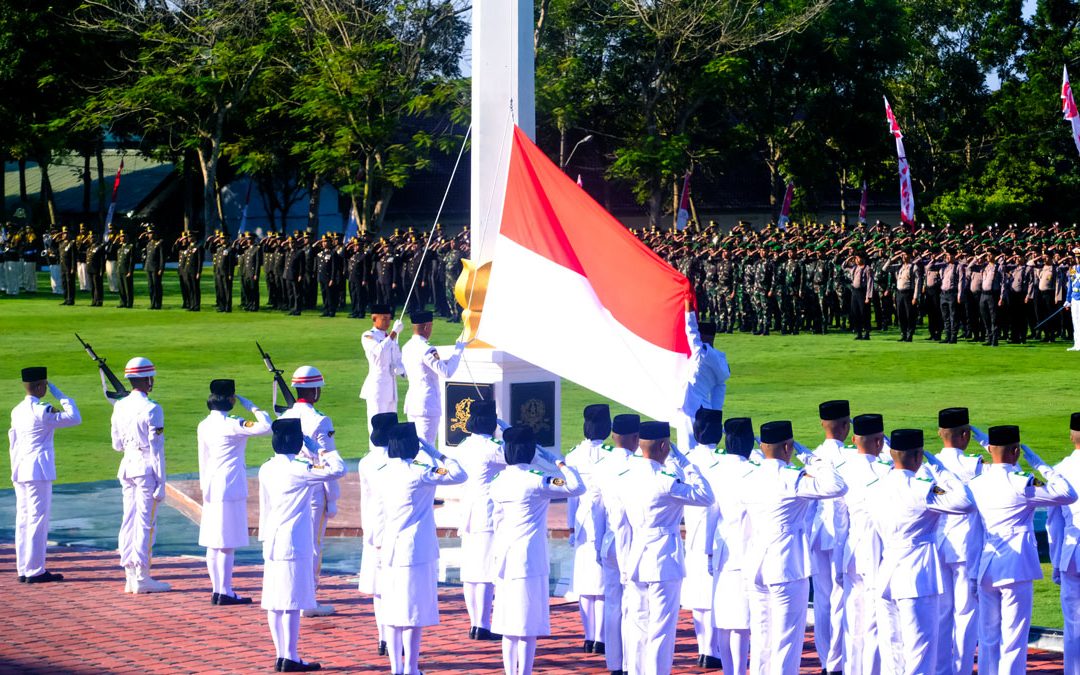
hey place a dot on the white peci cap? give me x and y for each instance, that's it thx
(139, 367)
(307, 377)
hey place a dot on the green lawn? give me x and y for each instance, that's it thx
(775, 377)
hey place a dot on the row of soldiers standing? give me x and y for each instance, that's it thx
(20, 248)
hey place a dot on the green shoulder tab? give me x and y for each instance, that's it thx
(973, 455)
(924, 479)
(498, 441)
(881, 461)
(418, 463)
(754, 463)
(1022, 473)
(235, 417)
(793, 467)
(669, 474)
(537, 472)
(607, 447)
(151, 400)
(623, 471)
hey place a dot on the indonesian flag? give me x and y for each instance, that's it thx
(112, 204)
(862, 205)
(907, 197)
(785, 210)
(576, 293)
(1068, 107)
(684, 204)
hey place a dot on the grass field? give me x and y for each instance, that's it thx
(775, 377)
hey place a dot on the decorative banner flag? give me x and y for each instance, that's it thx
(684, 204)
(785, 210)
(112, 204)
(862, 205)
(353, 228)
(243, 213)
(907, 197)
(1068, 107)
(559, 254)
(579, 180)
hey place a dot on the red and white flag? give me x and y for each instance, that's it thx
(907, 196)
(1068, 107)
(573, 291)
(112, 204)
(785, 210)
(862, 205)
(684, 205)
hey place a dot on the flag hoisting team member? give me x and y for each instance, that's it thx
(379, 391)
(138, 431)
(858, 543)
(1007, 497)
(612, 538)
(909, 579)
(287, 530)
(318, 434)
(700, 522)
(652, 500)
(373, 518)
(959, 542)
(481, 457)
(33, 469)
(1063, 529)
(777, 496)
(708, 373)
(824, 559)
(222, 440)
(583, 516)
(521, 494)
(409, 573)
(424, 370)
(730, 605)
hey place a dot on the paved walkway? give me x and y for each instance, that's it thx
(86, 624)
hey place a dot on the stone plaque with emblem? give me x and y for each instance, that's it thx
(533, 403)
(459, 399)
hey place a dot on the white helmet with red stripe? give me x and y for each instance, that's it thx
(307, 377)
(139, 367)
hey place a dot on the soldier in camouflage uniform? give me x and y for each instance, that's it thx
(451, 266)
(762, 289)
(725, 292)
(790, 276)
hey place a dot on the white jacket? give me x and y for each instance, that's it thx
(424, 370)
(30, 438)
(407, 491)
(222, 440)
(384, 365)
(138, 431)
(286, 525)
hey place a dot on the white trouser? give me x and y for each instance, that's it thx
(112, 276)
(613, 615)
(828, 611)
(653, 611)
(1070, 609)
(377, 405)
(33, 500)
(1074, 307)
(140, 514)
(861, 654)
(1004, 620)
(55, 282)
(13, 273)
(777, 626)
(84, 276)
(30, 276)
(958, 630)
(319, 517)
(914, 634)
(427, 427)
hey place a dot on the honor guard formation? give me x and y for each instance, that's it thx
(917, 562)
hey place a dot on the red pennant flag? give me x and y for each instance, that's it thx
(907, 196)
(112, 205)
(684, 204)
(785, 210)
(1068, 107)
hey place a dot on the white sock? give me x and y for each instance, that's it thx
(592, 616)
(393, 648)
(273, 618)
(734, 648)
(526, 653)
(410, 640)
(510, 654)
(212, 569)
(487, 598)
(291, 625)
(705, 632)
(225, 568)
(472, 601)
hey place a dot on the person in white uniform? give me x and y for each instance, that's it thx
(1063, 529)
(730, 605)
(425, 370)
(379, 391)
(614, 538)
(138, 431)
(481, 456)
(410, 552)
(776, 562)
(521, 494)
(318, 434)
(707, 376)
(1006, 498)
(583, 516)
(858, 543)
(701, 524)
(287, 531)
(909, 579)
(373, 518)
(33, 469)
(1072, 297)
(960, 541)
(222, 440)
(652, 499)
(824, 558)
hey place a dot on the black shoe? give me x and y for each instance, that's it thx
(472, 633)
(277, 665)
(382, 648)
(290, 666)
(587, 647)
(215, 598)
(485, 634)
(710, 662)
(232, 600)
(44, 578)
(22, 579)
(700, 660)
(599, 648)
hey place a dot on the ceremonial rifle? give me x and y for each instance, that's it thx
(279, 381)
(107, 377)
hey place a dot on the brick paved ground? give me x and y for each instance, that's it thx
(87, 624)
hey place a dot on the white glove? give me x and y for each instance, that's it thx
(331, 509)
(980, 437)
(159, 492)
(1055, 576)
(56, 391)
(804, 454)
(247, 404)
(679, 458)
(397, 327)
(460, 345)
(502, 424)
(1034, 460)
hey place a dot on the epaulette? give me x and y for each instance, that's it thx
(792, 467)
(236, 417)
(753, 462)
(882, 461)
(302, 460)
(151, 400)
(497, 441)
(1022, 473)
